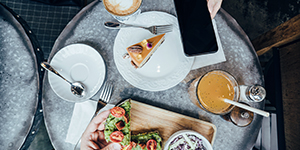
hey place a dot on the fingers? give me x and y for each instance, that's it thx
(101, 136)
(93, 145)
(93, 138)
(101, 126)
(213, 7)
(89, 145)
(93, 127)
(112, 146)
(101, 117)
(96, 140)
(101, 139)
(96, 122)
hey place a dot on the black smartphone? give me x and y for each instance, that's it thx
(197, 32)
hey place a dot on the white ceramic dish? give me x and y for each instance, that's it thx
(205, 142)
(77, 62)
(166, 67)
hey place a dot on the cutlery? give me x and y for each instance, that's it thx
(105, 96)
(156, 29)
(77, 88)
(258, 111)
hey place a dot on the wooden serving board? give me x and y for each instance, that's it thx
(146, 118)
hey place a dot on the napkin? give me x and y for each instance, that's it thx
(82, 115)
(209, 59)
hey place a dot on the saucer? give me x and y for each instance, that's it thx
(77, 62)
(167, 67)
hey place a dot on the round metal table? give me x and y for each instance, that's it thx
(87, 27)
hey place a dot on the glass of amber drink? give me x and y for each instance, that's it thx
(212, 88)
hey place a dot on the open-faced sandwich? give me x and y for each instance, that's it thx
(146, 141)
(117, 129)
(117, 126)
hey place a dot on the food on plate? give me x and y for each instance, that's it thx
(142, 51)
(117, 126)
(186, 141)
(117, 129)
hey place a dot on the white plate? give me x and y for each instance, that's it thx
(77, 62)
(167, 66)
(205, 142)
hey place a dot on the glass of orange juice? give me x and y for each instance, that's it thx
(212, 88)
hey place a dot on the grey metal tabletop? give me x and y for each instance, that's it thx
(241, 61)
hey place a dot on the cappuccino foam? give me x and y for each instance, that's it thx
(122, 7)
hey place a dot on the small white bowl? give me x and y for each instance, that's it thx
(205, 142)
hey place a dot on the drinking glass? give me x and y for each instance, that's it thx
(209, 90)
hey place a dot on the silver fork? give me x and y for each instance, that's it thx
(105, 95)
(156, 29)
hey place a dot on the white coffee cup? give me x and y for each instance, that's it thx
(123, 10)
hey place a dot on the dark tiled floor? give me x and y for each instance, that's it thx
(254, 16)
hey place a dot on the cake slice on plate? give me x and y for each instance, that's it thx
(142, 51)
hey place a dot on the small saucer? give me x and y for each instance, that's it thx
(77, 62)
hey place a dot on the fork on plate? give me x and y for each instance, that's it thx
(156, 29)
(159, 29)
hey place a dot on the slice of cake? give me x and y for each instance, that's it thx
(142, 51)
